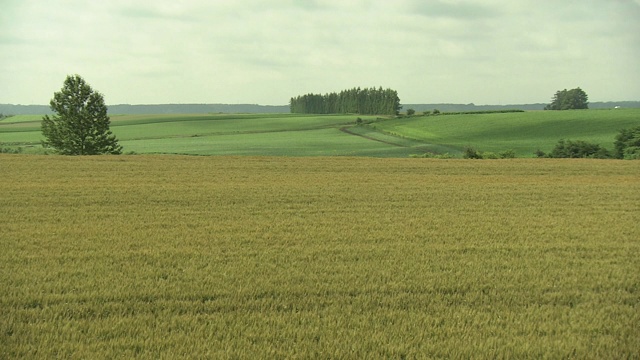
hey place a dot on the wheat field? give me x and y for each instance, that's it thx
(271, 257)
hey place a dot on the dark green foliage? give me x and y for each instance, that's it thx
(411, 112)
(367, 101)
(540, 154)
(507, 154)
(578, 149)
(627, 144)
(569, 100)
(9, 150)
(429, 155)
(81, 124)
(437, 112)
(489, 155)
(471, 153)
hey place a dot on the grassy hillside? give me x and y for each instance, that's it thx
(223, 134)
(524, 132)
(260, 257)
(314, 135)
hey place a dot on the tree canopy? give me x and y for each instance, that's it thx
(627, 144)
(569, 100)
(367, 101)
(80, 125)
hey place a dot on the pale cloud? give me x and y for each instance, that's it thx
(255, 51)
(464, 10)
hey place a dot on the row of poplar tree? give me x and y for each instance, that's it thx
(367, 101)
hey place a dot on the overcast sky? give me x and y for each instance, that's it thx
(265, 52)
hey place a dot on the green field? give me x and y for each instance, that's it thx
(325, 135)
(286, 257)
(222, 134)
(523, 132)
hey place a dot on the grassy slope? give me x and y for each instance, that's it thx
(21, 119)
(322, 142)
(240, 134)
(258, 257)
(284, 134)
(311, 135)
(523, 132)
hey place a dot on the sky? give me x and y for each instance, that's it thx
(495, 52)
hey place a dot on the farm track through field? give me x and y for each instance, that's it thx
(346, 130)
(247, 132)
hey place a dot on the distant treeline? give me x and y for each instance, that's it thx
(472, 107)
(475, 112)
(11, 109)
(198, 109)
(367, 101)
(450, 108)
(158, 109)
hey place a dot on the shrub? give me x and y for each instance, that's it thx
(602, 153)
(429, 155)
(539, 153)
(632, 153)
(627, 144)
(578, 149)
(445, 156)
(436, 112)
(410, 112)
(507, 154)
(8, 150)
(471, 153)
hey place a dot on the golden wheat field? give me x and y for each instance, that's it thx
(270, 257)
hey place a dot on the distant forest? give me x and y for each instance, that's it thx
(367, 101)
(158, 109)
(10, 109)
(473, 107)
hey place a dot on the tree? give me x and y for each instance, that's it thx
(411, 112)
(578, 149)
(81, 124)
(370, 101)
(569, 100)
(627, 144)
(471, 153)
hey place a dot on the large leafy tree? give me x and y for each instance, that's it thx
(80, 125)
(569, 100)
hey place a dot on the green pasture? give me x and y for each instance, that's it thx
(164, 127)
(21, 119)
(314, 135)
(523, 132)
(317, 142)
